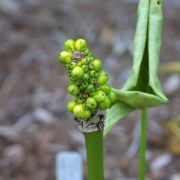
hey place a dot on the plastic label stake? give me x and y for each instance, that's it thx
(69, 166)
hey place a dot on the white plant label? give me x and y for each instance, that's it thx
(69, 166)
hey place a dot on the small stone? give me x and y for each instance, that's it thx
(125, 162)
(9, 132)
(77, 137)
(160, 162)
(43, 116)
(23, 122)
(174, 3)
(175, 177)
(172, 84)
(120, 46)
(14, 154)
(2, 115)
(9, 6)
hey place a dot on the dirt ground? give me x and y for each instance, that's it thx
(34, 123)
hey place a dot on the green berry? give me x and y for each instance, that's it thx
(90, 88)
(67, 66)
(93, 111)
(86, 52)
(85, 68)
(77, 72)
(89, 59)
(84, 61)
(83, 85)
(93, 80)
(81, 44)
(99, 96)
(91, 103)
(103, 77)
(69, 45)
(90, 55)
(97, 74)
(91, 66)
(112, 97)
(87, 114)
(106, 88)
(96, 86)
(65, 57)
(97, 64)
(78, 82)
(86, 77)
(70, 106)
(80, 112)
(105, 104)
(73, 89)
(92, 73)
(79, 101)
(72, 65)
(72, 80)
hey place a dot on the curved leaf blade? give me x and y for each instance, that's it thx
(114, 114)
(143, 88)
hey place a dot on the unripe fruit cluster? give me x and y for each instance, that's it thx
(87, 80)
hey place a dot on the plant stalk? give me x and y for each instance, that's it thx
(143, 144)
(94, 150)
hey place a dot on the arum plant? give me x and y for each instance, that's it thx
(91, 92)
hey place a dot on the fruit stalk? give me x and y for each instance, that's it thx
(94, 150)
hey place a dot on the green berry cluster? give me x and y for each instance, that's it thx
(87, 80)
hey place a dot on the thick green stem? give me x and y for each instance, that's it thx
(94, 149)
(142, 148)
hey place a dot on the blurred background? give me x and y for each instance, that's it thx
(34, 122)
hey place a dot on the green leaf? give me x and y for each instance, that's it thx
(114, 114)
(143, 88)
